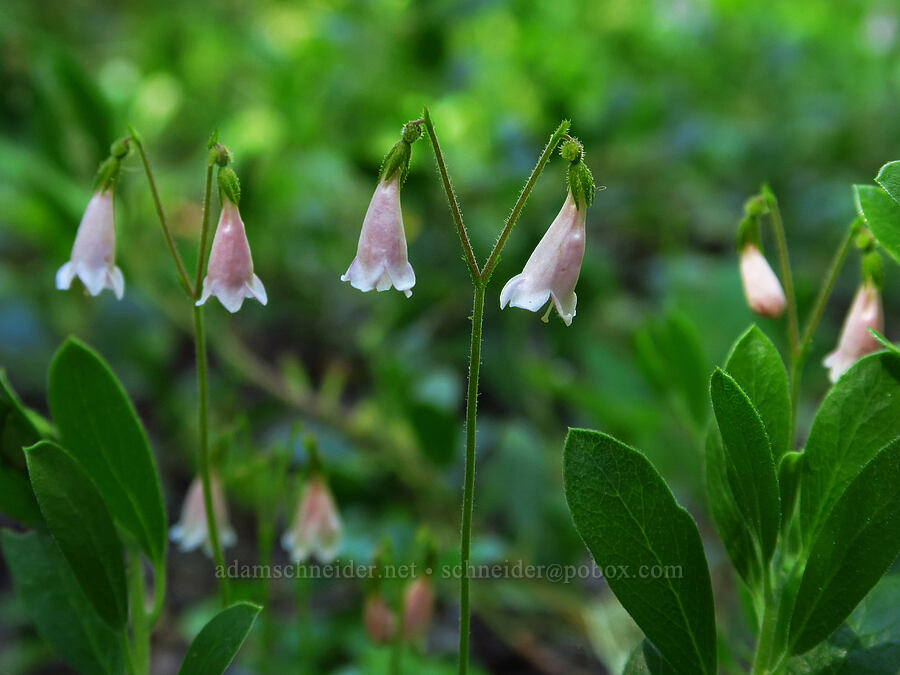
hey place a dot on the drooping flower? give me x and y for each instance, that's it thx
(855, 340)
(94, 251)
(229, 275)
(379, 620)
(553, 268)
(761, 287)
(418, 606)
(316, 529)
(381, 258)
(191, 531)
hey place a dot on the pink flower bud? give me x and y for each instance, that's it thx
(191, 530)
(94, 252)
(553, 268)
(856, 341)
(381, 258)
(316, 529)
(418, 605)
(379, 620)
(229, 275)
(761, 287)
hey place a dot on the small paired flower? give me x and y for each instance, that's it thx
(762, 289)
(551, 272)
(418, 606)
(191, 531)
(316, 529)
(379, 620)
(94, 252)
(229, 275)
(381, 258)
(855, 340)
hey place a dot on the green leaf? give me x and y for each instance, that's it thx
(882, 215)
(100, 429)
(646, 660)
(889, 178)
(82, 528)
(16, 498)
(732, 528)
(860, 415)
(748, 460)
(854, 547)
(58, 607)
(756, 366)
(218, 643)
(19, 426)
(627, 517)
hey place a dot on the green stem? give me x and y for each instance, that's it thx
(167, 233)
(469, 486)
(786, 276)
(203, 407)
(204, 232)
(767, 632)
(451, 199)
(494, 257)
(140, 634)
(159, 590)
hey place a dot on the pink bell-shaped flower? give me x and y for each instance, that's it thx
(316, 529)
(229, 275)
(94, 251)
(552, 270)
(761, 287)
(379, 620)
(381, 257)
(191, 531)
(418, 606)
(855, 340)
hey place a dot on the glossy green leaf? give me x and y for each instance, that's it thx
(16, 498)
(748, 460)
(756, 366)
(218, 643)
(860, 415)
(646, 660)
(855, 546)
(732, 528)
(19, 426)
(629, 519)
(81, 527)
(882, 215)
(100, 429)
(889, 178)
(57, 605)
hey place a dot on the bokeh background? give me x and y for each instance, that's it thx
(684, 107)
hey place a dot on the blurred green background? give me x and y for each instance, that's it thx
(684, 107)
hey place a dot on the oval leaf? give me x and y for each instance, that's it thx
(82, 528)
(860, 415)
(100, 429)
(855, 546)
(882, 215)
(889, 178)
(629, 519)
(58, 607)
(217, 644)
(748, 460)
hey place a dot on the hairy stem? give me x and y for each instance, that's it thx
(469, 485)
(494, 257)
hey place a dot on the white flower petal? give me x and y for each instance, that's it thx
(115, 281)
(64, 276)
(257, 290)
(93, 278)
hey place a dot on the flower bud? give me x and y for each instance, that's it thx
(93, 254)
(379, 620)
(229, 275)
(856, 341)
(553, 268)
(418, 606)
(761, 287)
(191, 531)
(381, 259)
(316, 529)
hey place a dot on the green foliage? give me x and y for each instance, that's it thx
(629, 519)
(57, 605)
(882, 214)
(218, 643)
(98, 426)
(646, 660)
